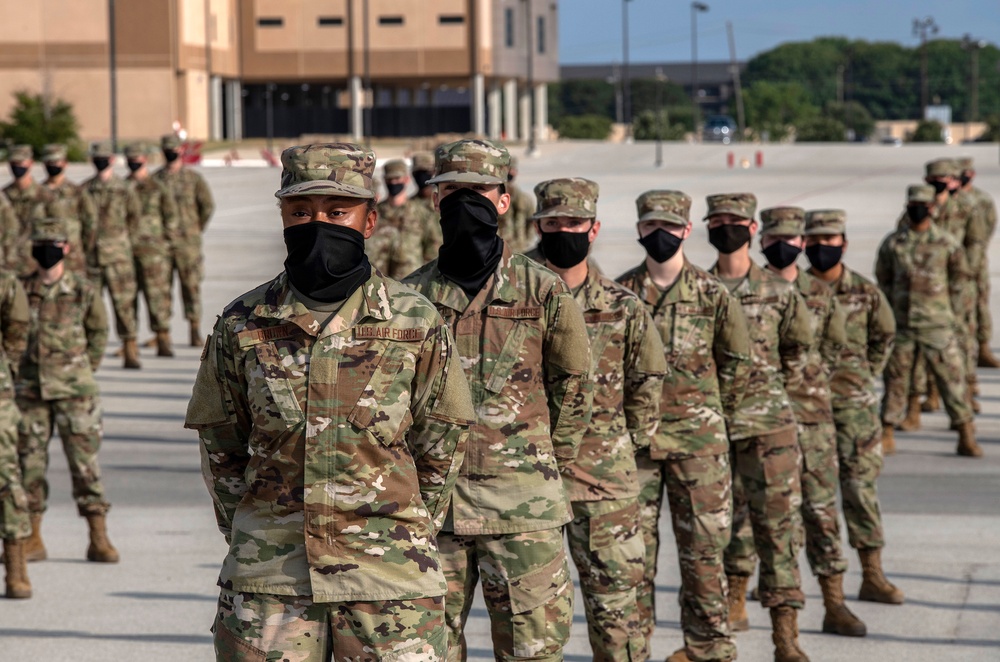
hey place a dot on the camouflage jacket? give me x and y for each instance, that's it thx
(10, 231)
(192, 200)
(964, 219)
(73, 203)
(330, 453)
(812, 402)
(67, 336)
(870, 330)
(523, 344)
(924, 275)
(413, 218)
(153, 221)
(627, 368)
(515, 224)
(14, 319)
(707, 348)
(28, 204)
(987, 207)
(394, 252)
(114, 202)
(780, 337)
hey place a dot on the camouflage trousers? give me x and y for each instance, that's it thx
(820, 519)
(946, 359)
(188, 262)
(254, 627)
(14, 522)
(859, 450)
(606, 546)
(984, 318)
(119, 278)
(699, 494)
(526, 587)
(152, 271)
(767, 516)
(79, 423)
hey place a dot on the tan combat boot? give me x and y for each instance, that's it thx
(912, 420)
(785, 635)
(100, 550)
(838, 618)
(34, 548)
(196, 339)
(967, 446)
(16, 566)
(874, 586)
(888, 440)
(738, 619)
(933, 400)
(163, 344)
(679, 656)
(130, 348)
(986, 358)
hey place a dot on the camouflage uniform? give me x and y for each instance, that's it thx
(422, 167)
(113, 202)
(330, 452)
(767, 461)
(707, 350)
(72, 203)
(515, 224)
(194, 205)
(14, 316)
(627, 367)
(56, 387)
(523, 344)
(29, 205)
(412, 217)
(986, 211)
(10, 228)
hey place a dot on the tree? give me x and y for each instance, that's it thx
(37, 121)
(820, 129)
(584, 127)
(581, 97)
(772, 109)
(853, 117)
(928, 131)
(644, 126)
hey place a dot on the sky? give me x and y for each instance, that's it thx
(590, 31)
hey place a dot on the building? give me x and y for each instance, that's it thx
(229, 69)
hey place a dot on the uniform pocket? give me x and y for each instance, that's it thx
(278, 385)
(538, 587)
(507, 359)
(231, 648)
(383, 408)
(614, 528)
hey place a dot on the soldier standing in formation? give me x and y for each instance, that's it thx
(422, 169)
(407, 235)
(767, 492)
(707, 350)
(627, 368)
(515, 223)
(871, 330)
(523, 343)
(332, 411)
(28, 198)
(72, 204)
(194, 206)
(10, 227)
(113, 260)
(56, 388)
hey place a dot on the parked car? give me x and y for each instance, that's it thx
(719, 129)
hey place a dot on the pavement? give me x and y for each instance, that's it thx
(942, 512)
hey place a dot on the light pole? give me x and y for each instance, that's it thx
(973, 46)
(660, 80)
(696, 8)
(113, 74)
(923, 28)
(530, 45)
(626, 83)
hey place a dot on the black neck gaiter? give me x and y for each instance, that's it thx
(471, 248)
(325, 262)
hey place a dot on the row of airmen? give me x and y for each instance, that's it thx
(129, 235)
(376, 449)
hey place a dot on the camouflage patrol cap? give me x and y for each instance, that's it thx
(671, 206)
(423, 162)
(343, 169)
(943, 168)
(134, 150)
(471, 161)
(921, 193)
(170, 141)
(49, 229)
(743, 205)
(102, 148)
(20, 153)
(572, 197)
(394, 168)
(787, 221)
(965, 163)
(54, 152)
(826, 222)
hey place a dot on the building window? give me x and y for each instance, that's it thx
(326, 21)
(451, 20)
(508, 27)
(390, 20)
(270, 22)
(541, 34)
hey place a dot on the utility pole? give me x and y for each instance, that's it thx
(696, 8)
(530, 45)
(734, 68)
(369, 109)
(922, 29)
(626, 83)
(660, 80)
(973, 46)
(113, 75)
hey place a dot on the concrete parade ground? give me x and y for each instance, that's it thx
(941, 512)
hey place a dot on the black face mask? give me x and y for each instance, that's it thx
(47, 254)
(471, 248)
(18, 171)
(939, 186)
(661, 245)
(53, 170)
(729, 238)
(325, 262)
(565, 249)
(395, 189)
(420, 177)
(917, 213)
(823, 258)
(135, 165)
(101, 163)
(781, 254)
(171, 156)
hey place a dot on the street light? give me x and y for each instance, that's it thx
(660, 80)
(626, 83)
(921, 29)
(973, 46)
(696, 7)
(529, 44)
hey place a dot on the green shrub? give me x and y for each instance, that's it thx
(820, 130)
(644, 126)
(928, 131)
(38, 121)
(584, 127)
